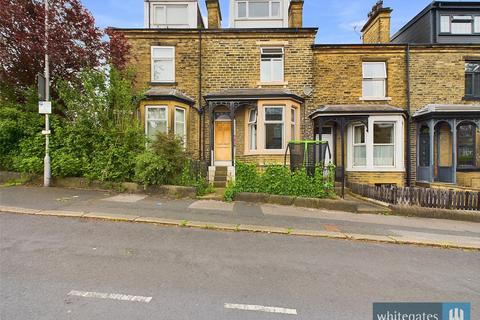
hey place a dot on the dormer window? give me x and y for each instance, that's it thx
(459, 24)
(170, 14)
(258, 9)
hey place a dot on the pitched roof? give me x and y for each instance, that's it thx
(169, 93)
(434, 109)
(258, 93)
(353, 109)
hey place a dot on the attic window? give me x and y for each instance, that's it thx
(258, 9)
(459, 24)
(170, 14)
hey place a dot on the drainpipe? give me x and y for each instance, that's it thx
(201, 116)
(409, 140)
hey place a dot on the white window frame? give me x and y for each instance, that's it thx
(184, 137)
(252, 124)
(474, 21)
(148, 108)
(367, 79)
(265, 55)
(385, 144)
(399, 140)
(165, 14)
(247, 8)
(364, 144)
(265, 122)
(293, 123)
(152, 62)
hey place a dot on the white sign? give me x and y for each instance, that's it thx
(44, 107)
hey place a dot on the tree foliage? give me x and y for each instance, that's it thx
(74, 42)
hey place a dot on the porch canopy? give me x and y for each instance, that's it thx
(168, 94)
(430, 121)
(234, 99)
(342, 115)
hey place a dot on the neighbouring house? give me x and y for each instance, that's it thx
(393, 112)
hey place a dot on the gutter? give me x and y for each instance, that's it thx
(201, 115)
(409, 117)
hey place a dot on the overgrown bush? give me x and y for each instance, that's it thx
(279, 180)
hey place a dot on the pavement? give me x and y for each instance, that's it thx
(81, 269)
(239, 216)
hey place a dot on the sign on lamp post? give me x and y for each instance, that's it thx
(45, 107)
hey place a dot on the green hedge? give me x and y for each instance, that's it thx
(279, 180)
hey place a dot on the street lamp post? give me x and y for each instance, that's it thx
(47, 168)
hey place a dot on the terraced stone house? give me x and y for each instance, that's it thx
(392, 112)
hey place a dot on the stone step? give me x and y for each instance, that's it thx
(220, 184)
(221, 178)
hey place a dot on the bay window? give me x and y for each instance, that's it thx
(384, 144)
(272, 65)
(376, 146)
(274, 128)
(374, 80)
(180, 124)
(359, 146)
(252, 129)
(163, 64)
(156, 120)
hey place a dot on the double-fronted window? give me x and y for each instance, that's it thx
(272, 65)
(472, 79)
(460, 24)
(258, 9)
(163, 64)
(374, 80)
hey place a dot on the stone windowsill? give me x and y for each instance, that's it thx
(375, 99)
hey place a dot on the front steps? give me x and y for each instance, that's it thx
(220, 178)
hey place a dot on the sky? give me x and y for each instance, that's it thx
(339, 21)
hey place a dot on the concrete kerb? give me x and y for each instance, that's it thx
(240, 228)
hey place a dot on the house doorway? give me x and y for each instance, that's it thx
(327, 136)
(223, 139)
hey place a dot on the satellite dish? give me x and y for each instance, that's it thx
(307, 90)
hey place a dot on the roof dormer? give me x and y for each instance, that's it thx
(259, 13)
(180, 14)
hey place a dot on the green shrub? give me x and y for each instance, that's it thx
(151, 169)
(171, 148)
(279, 180)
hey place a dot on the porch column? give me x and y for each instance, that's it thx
(210, 125)
(319, 124)
(454, 151)
(231, 107)
(431, 132)
(342, 138)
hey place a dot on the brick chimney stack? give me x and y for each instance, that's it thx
(377, 28)
(214, 14)
(295, 14)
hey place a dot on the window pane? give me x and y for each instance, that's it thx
(163, 52)
(466, 145)
(159, 15)
(163, 70)
(472, 67)
(469, 84)
(372, 70)
(157, 114)
(476, 85)
(253, 116)
(477, 24)
(242, 9)
(154, 126)
(461, 27)
(359, 134)
(360, 156)
(253, 136)
(273, 114)
(383, 156)
(424, 147)
(374, 88)
(177, 14)
(258, 9)
(266, 70)
(180, 115)
(275, 9)
(383, 133)
(292, 115)
(274, 136)
(277, 66)
(445, 24)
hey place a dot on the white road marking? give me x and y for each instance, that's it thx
(111, 296)
(249, 307)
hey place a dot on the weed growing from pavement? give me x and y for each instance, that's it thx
(183, 223)
(289, 230)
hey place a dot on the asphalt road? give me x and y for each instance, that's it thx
(178, 273)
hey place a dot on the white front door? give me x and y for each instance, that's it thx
(327, 136)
